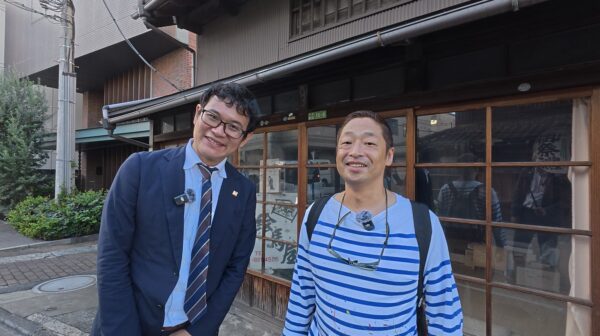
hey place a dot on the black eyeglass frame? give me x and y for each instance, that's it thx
(221, 122)
(371, 266)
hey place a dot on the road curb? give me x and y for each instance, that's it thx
(22, 326)
(19, 287)
(65, 241)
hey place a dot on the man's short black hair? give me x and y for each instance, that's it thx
(236, 95)
(385, 128)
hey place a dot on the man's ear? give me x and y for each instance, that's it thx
(390, 157)
(197, 113)
(246, 139)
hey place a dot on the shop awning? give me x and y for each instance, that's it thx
(469, 12)
(90, 135)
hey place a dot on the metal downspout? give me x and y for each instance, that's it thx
(460, 15)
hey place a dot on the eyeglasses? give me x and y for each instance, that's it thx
(212, 119)
(370, 266)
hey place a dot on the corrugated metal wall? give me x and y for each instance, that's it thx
(32, 42)
(96, 30)
(260, 35)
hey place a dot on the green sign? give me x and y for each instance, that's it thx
(317, 115)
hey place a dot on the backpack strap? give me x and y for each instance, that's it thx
(452, 188)
(313, 215)
(422, 224)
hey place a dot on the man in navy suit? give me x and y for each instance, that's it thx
(151, 218)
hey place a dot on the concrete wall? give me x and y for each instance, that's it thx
(32, 42)
(2, 33)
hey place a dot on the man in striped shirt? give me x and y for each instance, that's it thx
(465, 198)
(357, 275)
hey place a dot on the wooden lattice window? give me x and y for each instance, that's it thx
(312, 15)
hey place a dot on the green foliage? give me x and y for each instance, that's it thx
(22, 115)
(74, 215)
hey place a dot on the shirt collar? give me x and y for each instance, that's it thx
(192, 159)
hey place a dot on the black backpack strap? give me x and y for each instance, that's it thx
(313, 215)
(422, 224)
(453, 190)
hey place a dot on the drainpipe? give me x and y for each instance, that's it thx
(110, 127)
(454, 17)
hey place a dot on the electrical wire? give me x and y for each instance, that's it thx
(53, 5)
(59, 6)
(55, 18)
(135, 50)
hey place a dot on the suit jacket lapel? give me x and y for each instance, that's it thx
(173, 184)
(227, 208)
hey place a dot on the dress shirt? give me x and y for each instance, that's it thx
(174, 312)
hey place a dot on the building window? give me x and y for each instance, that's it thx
(382, 83)
(265, 105)
(270, 160)
(183, 121)
(175, 122)
(312, 15)
(167, 124)
(510, 182)
(286, 102)
(329, 93)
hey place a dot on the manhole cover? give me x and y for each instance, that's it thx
(66, 284)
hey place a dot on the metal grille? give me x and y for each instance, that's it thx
(310, 15)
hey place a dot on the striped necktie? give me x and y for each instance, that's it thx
(195, 294)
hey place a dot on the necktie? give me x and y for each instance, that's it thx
(195, 294)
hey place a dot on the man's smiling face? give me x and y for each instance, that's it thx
(211, 143)
(362, 155)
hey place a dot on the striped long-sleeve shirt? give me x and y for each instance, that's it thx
(329, 297)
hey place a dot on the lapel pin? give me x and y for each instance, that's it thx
(234, 193)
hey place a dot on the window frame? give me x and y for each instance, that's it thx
(488, 283)
(296, 12)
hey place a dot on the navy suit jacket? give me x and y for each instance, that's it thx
(140, 245)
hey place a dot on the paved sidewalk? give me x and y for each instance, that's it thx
(26, 311)
(9, 237)
(32, 268)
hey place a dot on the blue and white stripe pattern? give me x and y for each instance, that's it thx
(329, 297)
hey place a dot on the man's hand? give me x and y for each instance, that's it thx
(181, 332)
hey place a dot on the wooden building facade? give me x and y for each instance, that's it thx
(496, 100)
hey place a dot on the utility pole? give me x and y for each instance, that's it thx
(65, 128)
(65, 132)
